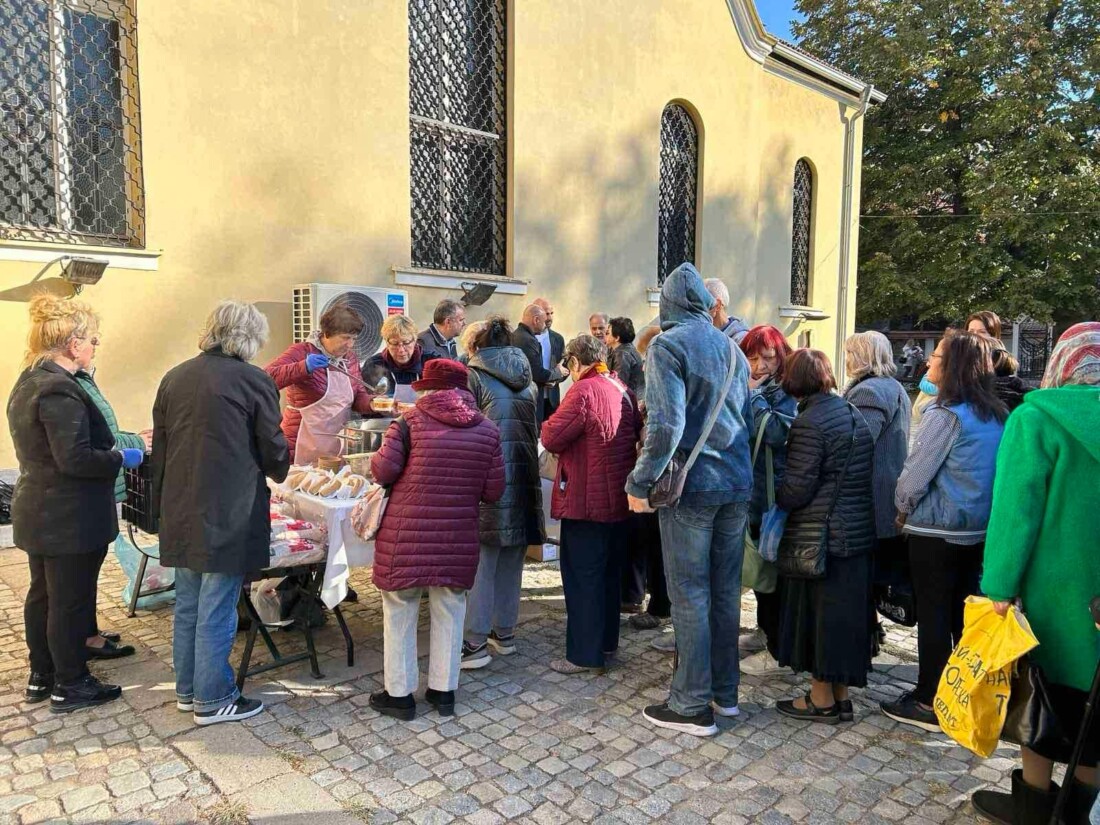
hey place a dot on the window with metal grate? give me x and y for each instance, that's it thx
(457, 142)
(677, 190)
(801, 233)
(70, 155)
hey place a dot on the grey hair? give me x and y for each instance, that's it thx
(238, 328)
(870, 353)
(603, 315)
(586, 349)
(445, 310)
(718, 291)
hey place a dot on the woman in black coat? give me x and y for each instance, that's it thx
(500, 379)
(825, 623)
(216, 436)
(63, 509)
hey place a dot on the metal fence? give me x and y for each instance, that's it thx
(457, 134)
(70, 132)
(800, 233)
(677, 190)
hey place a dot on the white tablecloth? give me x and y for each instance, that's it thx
(345, 549)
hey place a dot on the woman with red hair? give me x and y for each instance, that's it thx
(773, 411)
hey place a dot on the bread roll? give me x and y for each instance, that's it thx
(330, 487)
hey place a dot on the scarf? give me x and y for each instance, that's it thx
(1076, 358)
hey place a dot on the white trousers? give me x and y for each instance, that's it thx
(401, 614)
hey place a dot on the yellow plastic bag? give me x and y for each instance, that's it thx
(972, 698)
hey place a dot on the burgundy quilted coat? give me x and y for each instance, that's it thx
(304, 388)
(594, 433)
(429, 534)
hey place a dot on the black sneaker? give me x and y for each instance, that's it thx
(503, 645)
(909, 712)
(86, 692)
(442, 700)
(702, 724)
(39, 687)
(399, 707)
(235, 711)
(475, 656)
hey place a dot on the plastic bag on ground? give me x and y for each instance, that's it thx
(268, 602)
(156, 576)
(972, 698)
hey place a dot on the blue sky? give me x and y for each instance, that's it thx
(777, 16)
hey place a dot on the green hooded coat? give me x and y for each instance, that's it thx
(1043, 543)
(122, 439)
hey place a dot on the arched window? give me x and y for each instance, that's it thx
(677, 191)
(801, 230)
(458, 171)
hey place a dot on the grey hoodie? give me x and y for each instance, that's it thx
(685, 368)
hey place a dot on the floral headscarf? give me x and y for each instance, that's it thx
(1076, 358)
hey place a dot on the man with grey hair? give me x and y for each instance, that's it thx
(598, 325)
(526, 337)
(216, 439)
(731, 325)
(439, 340)
(553, 348)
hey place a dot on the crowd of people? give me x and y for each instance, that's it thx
(688, 460)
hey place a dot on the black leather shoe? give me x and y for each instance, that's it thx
(83, 693)
(399, 707)
(442, 700)
(111, 636)
(810, 713)
(352, 597)
(847, 712)
(110, 650)
(39, 687)
(1024, 806)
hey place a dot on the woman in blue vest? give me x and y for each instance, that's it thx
(944, 496)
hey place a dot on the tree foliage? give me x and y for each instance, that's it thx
(985, 154)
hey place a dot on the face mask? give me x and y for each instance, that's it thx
(927, 387)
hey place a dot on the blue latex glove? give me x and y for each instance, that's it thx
(132, 457)
(315, 361)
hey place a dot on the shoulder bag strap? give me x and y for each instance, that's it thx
(844, 470)
(713, 417)
(770, 467)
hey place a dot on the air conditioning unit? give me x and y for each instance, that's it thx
(371, 304)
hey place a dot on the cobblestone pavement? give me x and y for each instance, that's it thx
(526, 744)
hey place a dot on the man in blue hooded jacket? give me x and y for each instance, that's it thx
(703, 535)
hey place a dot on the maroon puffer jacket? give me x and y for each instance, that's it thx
(429, 534)
(594, 433)
(304, 388)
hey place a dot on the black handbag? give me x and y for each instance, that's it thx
(897, 602)
(804, 547)
(1031, 720)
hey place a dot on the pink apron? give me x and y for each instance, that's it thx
(323, 419)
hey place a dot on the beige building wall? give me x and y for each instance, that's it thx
(276, 152)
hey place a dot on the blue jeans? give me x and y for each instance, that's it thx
(205, 624)
(703, 549)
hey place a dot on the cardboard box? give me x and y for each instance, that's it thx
(6, 538)
(543, 552)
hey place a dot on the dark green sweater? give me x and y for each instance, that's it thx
(122, 439)
(1043, 544)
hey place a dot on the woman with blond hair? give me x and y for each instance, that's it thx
(466, 346)
(63, 510)
(401, 360)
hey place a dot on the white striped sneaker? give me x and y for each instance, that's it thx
(185, 707)
(242, 708)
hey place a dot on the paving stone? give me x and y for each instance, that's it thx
(85, 797)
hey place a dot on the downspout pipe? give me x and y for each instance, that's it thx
(846, 219)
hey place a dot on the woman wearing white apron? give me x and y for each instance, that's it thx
(320, 400)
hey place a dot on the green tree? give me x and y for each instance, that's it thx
(984, 157)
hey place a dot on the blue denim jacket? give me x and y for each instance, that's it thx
(686, 366)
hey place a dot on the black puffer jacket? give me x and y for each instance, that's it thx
(820, 439)
(64, 501)
(1011, 389)
(500, 379)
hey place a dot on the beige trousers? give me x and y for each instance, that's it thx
(401, 614)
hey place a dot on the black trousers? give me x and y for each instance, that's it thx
(644, 566)
(635, 562)
(767, 618)
(943, 576)
(591, 564)
(59, 612)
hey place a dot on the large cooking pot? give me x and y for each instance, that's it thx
(364, 436)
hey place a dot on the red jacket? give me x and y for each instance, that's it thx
(429, 534)
(304, 388)
(594, 433)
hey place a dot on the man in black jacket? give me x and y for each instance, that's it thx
(553, 348)
(440, 338)
(216, 436)
(526, 337)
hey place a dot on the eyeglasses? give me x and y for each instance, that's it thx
(402, 344)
